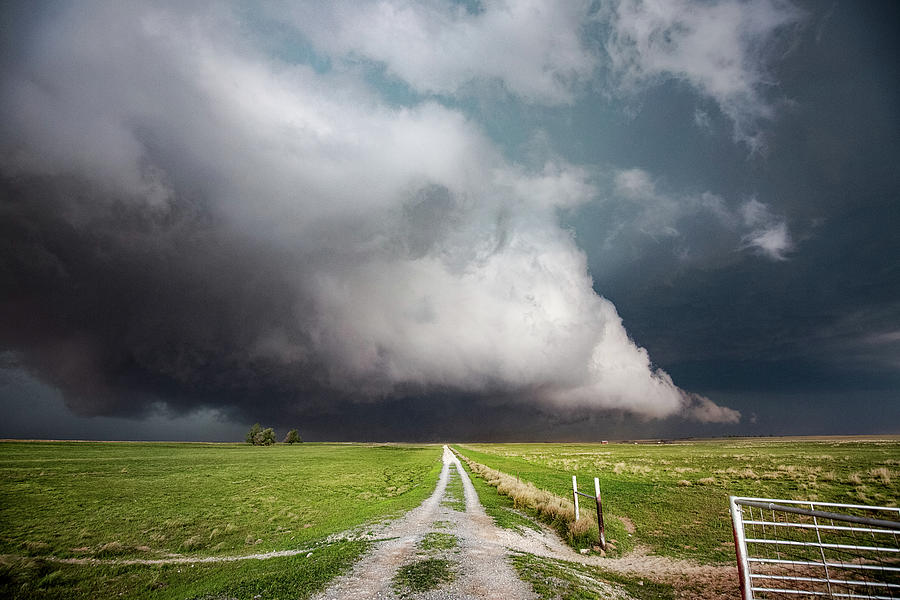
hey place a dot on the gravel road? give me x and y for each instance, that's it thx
(479, 562)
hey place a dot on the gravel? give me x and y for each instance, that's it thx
(480, 561)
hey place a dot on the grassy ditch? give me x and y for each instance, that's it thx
(675, 496)
(500, 508)
(554, 510)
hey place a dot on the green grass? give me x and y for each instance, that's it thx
(422, 575)
(499, 508)
(438, 541)
(147, 500)
(677, 494)
(431, 572)
(454, 496)
(556, 579)
(288, 577)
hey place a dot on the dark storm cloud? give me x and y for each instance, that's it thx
(133, 306)
(198, 218)
(189, 222)
(819, 327)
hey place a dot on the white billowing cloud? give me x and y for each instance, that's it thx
(635, 183)
(420, 255)
(659, 214)
(773, 242)
(719, 48)
(556, 185)
(533, 47)
(754, 213)
(704, 410)
(770, 236)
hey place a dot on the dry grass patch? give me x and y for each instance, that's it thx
(551, 508)
(192, 543)
(633, 469)
(36, 547)
(581, 527)
(114, 548)
(743, 473)
(882, 474)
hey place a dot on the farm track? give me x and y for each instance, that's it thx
(480, 561)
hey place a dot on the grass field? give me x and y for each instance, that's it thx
(137, 500)
(676, 495)
(115, 502)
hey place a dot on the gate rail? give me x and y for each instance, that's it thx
(803, 549)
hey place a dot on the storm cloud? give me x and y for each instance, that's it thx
(190, 219)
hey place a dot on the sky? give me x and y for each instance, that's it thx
(508, 221)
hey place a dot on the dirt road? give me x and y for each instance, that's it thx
(472, 548)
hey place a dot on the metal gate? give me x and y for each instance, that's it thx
(799, 549)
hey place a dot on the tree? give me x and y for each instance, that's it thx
(266, 437)
(254, 431)
(260, 437)
(292, 437)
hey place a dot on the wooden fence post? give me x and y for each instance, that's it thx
(600, 513)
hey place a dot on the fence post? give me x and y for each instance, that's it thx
(600, 514)
(737, 525)
(575, 495)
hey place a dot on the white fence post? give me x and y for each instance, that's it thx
(575, 495)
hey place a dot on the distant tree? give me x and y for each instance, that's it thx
(254, 431)
(266, 437)
(259, 436)
(292, 437)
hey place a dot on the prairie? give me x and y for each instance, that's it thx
(672, 499)
(88, 520)
(135, 501)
